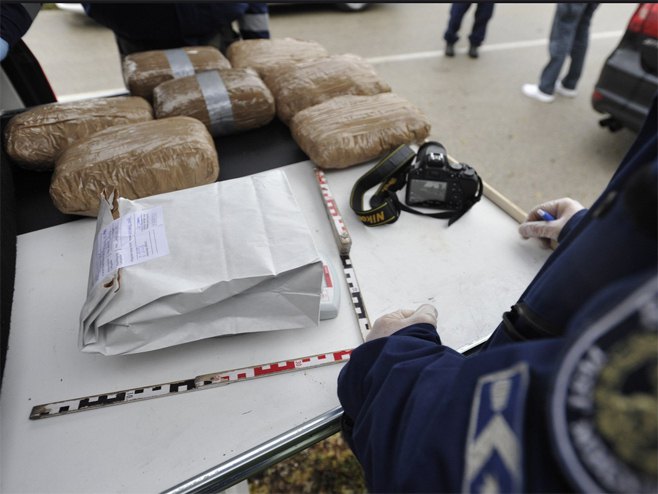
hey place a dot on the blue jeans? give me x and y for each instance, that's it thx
(569, 36)
(483, 13)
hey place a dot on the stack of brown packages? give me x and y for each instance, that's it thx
(299, 86)
(143, 71)
(347, 130)
(35, 138)
(226, 101)
(339, 111)
(138, 160)
(261, 54)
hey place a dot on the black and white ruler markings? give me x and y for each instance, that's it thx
(355, 292)
(206, 381)
(344, 243)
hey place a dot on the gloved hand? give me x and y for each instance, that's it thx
(4, 49)
(561, 209)
(390, 323)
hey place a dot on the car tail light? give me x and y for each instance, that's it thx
(645, 20)
(596, 95)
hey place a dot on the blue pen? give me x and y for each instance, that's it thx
(545, 215)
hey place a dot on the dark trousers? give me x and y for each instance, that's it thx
(483, 12)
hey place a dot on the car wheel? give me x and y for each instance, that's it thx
(352, 7)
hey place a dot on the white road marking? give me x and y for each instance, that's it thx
(513, 45)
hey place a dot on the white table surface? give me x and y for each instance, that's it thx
(472, 271)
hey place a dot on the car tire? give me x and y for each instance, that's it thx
(352, 7)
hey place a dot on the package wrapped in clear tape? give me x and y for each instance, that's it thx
(348, 130)
(261, 54)
(140, 160)
(35, 138)
(144, 71)
(226, 101)
(298, 86)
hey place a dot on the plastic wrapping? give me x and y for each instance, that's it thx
(35, 138)
(139, 160)
(143, 71)
(296, 87)
(261, 54)
(348, 130)
(226, 101)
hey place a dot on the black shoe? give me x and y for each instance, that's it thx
(450, 50)
(473, 51)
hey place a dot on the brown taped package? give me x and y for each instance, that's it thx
(261, 54)
(143, 71)
(348, 130)
(35, 138)
(139, 160)
(226, 101)
(309, 83)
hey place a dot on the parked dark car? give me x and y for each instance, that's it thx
(629, 78)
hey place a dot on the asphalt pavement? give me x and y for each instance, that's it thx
(529, 151)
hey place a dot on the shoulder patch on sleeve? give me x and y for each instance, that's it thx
(494, 445)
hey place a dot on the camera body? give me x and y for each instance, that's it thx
(435, 182)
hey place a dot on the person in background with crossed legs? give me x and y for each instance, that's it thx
(569, 36)
(483, 12)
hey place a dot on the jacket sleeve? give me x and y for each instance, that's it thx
(16, 19)
(410, 403)
(571, 224)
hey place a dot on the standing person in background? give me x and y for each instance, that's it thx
(569, 36)
(483, 12)
(160, 26)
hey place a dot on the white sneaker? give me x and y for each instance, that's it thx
(533, 91)
(560, 89)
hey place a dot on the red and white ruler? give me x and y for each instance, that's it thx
(344, 242)
(207, 381)
(194, 384)
(339, 229)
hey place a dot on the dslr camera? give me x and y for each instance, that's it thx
(434, 181)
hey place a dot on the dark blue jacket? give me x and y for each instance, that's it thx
(188, 24)
(15, 20)
(615, 238)
(421, 417)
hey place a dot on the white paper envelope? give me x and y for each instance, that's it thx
(225, 258)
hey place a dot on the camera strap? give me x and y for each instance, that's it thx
(391, 174)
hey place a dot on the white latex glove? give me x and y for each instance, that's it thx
(390, 323)
(561, 209)
(4, 49)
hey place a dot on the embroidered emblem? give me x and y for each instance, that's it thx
(604, 406)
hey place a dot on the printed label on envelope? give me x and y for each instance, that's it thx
(131, 239)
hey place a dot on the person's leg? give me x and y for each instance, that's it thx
(483, 14)
(457, 11)
(563, 31)
(579, 48)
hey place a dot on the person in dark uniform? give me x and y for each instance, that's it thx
(160, 26)
(561, 398)
(483, 13)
